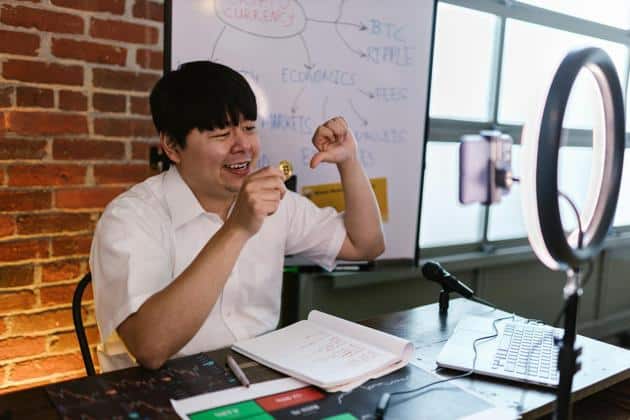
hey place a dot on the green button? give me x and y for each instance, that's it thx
(344, 416)
(244, 410)
(264, 416)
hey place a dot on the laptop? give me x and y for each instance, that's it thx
(523, 352)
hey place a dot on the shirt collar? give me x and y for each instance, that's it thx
(182, 203)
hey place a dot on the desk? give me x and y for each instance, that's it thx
(603, 365)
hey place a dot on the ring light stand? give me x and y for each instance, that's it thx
(541, 145)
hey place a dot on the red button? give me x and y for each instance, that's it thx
(289, 399)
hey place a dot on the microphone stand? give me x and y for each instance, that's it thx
(444, 299)
(567, 356)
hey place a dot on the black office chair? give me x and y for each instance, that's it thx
(78, 324)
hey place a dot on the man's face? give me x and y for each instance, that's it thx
(215, 163)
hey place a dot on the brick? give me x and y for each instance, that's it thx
(121, 174)
(6, 95)
(65, 149)
(45, 175)
(124, 80)
(35, 97)
(109, 103)
(23, 250)
(140, 150)
(16, 301)
(29, 384)
(149, 59)
(91, 52)
(29, 224)
(71, 245)
(87, 198)
(25, 200)
(16, 275)
(124, 127)
(46, 366)
(64, 342)
(12, 348)
(140, 105)
(116, 7)
(42, 72)
(62, 294)
(13, 149)
(7, 226)
(61, 270)
(22, 43)
(41, 123)
(42, 321)
(123, 31)
(72, 101)
(148, 10)
(44, 20)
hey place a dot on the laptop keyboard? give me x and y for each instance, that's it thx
(527, 349)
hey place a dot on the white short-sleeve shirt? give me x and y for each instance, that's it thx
(148, 235)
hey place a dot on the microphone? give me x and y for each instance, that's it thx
(433, 271)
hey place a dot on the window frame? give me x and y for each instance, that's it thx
(447, 130)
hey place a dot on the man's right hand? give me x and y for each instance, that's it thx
(258, 198)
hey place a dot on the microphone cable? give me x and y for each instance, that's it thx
(383, 403)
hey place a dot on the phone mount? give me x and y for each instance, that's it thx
(485, 167)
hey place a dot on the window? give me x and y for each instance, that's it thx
(462, 63)
(490, 59)
(440, 205)
(528, 69)
(608, 12)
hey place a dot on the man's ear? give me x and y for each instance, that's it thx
(170, 147)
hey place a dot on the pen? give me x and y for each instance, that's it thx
(237, 371)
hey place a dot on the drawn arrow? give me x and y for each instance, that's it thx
(368, 94)
(354, 50)
(363, 120)
(214, 47)
(359, 25)
(294, 106)
(308, 54)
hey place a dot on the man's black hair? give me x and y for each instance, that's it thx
(202, 95)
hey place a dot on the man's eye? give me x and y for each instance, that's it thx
(219, 135)
(250, 128)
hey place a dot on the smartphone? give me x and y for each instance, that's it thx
(485, 167)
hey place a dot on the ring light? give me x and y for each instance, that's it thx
(541, 145)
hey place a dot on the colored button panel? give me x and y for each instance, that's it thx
(290, 398)
(344, 416)
(264, 416)
(244, 410)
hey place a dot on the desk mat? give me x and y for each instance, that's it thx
(142, 394)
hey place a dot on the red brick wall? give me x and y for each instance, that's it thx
(74, 132)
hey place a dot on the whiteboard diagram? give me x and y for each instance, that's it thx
(311, 60)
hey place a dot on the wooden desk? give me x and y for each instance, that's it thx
(603, 366)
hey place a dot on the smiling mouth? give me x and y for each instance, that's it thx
(238, 168)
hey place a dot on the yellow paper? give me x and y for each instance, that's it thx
(331, 195)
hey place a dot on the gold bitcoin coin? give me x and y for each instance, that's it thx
(286, 168)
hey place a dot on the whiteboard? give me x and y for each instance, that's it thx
(311, 60)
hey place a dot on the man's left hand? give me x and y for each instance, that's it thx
(335, 143)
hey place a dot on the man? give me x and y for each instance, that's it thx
(191, 260)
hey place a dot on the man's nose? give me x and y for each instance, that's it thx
(241, 141)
